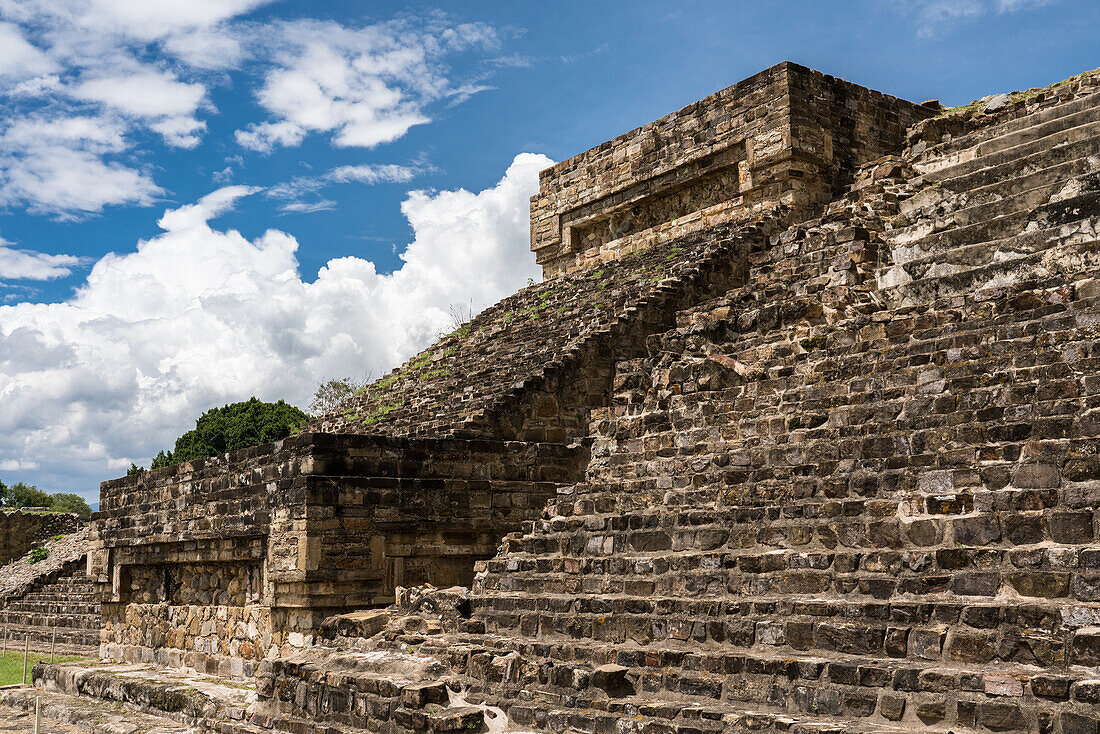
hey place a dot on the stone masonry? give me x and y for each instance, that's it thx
(826, 462)
(788, 136)
(217, 564)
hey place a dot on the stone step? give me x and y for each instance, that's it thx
(1036, 518)
(52, 621)
(1087, 111)
(948, 169)
(965, 571)
(1018, 183)
(853, 687)
(934, 493)
(970, 212)
(364, 691)
(185, 697)
(949, 630)
(917, 264)
(42, 637)
(644, 715)
(1006, 168)
(87, 608)
(1074, 256)
(935, 240)
(1001, 135)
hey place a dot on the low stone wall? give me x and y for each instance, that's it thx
(22, 531)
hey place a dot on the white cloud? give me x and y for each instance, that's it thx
(308, 207)
(18, 57)
(30, 265)
(37, 86)
(1010, 6)
(366, 86)
(207, 49)
(145, 67)
(151, 340)
(143, 93)
(59, 166)
(293, 190)
(157, 97)
(146, 21)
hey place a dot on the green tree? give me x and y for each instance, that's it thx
(21, 494)
(232, 427)
(66, 502)
(163, 458)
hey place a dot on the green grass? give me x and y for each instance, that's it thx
(11, 664)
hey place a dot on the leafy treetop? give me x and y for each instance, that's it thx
(235, 426)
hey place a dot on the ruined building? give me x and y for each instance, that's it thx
(798, 434)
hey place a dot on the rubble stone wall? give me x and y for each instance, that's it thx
(787, 135)
(22, 531)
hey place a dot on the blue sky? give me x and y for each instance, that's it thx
(175, 173)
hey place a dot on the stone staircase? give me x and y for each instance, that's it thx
(856, 494)
(51, 601)
(1002, 205)
(61, 613)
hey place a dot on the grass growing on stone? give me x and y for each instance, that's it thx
(11, 665)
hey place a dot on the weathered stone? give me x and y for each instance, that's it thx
(997, 103)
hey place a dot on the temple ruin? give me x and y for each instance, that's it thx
(799, 433)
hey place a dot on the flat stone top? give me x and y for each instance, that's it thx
(725, 96)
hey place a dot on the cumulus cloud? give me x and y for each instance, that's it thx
(150, 340)
(364, 86)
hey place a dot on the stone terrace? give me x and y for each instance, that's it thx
(788, 136)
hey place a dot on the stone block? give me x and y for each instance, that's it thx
(1047, 584)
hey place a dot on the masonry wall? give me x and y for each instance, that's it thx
(22, 531)
(217, 564)
(787, 136)
(394, 512)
